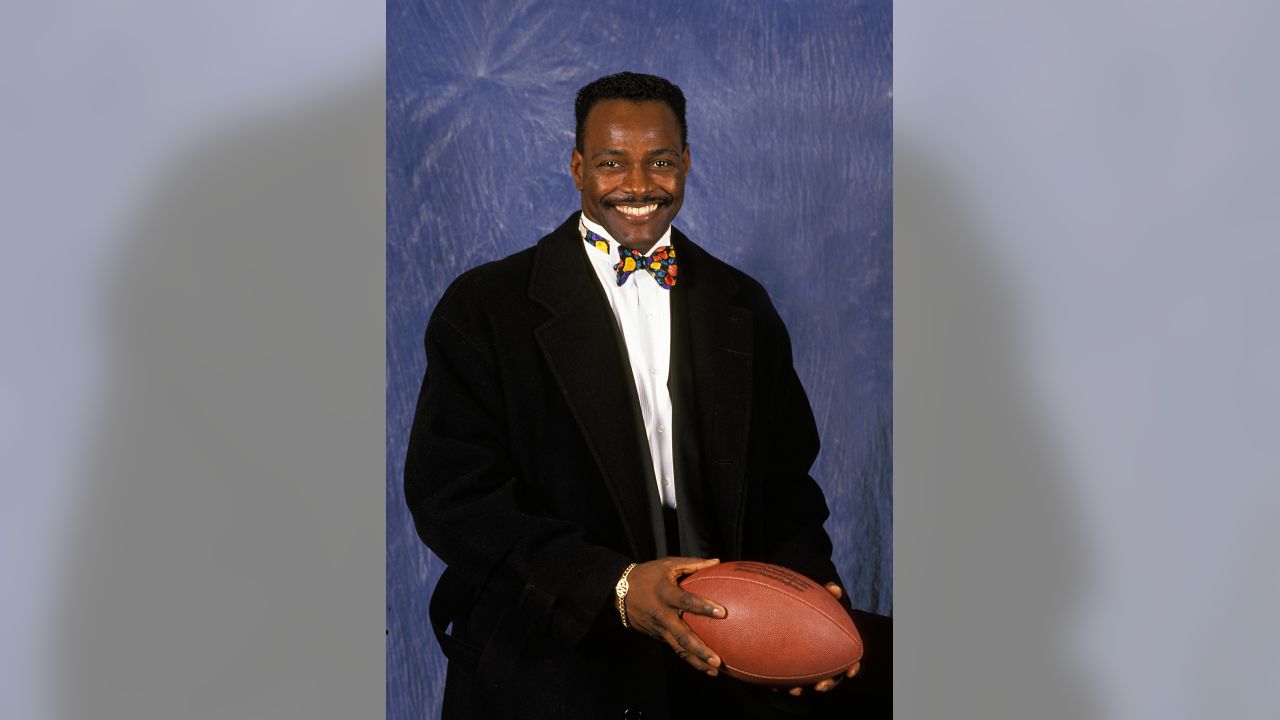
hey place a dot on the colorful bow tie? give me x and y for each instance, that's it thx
(661, 264)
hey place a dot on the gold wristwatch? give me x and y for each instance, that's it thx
(621, 591)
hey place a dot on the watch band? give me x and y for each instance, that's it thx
(620, 590)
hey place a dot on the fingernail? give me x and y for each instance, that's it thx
(718, 612)
(713, 661)
(712, 673)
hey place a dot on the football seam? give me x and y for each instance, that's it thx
(820, 674)
(817, 609)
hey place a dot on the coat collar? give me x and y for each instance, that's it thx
(587, 356)
(721, 346)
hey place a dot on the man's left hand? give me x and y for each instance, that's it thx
(831, 682)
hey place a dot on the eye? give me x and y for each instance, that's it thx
(662, 163)
(610, 164)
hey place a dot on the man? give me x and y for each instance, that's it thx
(613, 403)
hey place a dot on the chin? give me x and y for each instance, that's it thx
(640, 242)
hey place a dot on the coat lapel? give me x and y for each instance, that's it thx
(587, 356)
(720, 339)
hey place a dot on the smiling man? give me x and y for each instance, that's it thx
(602, 414)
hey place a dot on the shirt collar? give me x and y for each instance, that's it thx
(585, 224)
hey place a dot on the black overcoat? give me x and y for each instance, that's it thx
(528, 475)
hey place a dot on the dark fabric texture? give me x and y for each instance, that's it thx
(528, 474)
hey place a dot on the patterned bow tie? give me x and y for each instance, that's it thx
(661, 264)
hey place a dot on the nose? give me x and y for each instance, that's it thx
(637, 180)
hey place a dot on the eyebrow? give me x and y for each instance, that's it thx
(655, 151)
(652, 153)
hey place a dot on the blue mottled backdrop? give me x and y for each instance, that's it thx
(790, 110)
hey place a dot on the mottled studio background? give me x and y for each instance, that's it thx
(790, 133)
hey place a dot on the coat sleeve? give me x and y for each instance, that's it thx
(464, 491)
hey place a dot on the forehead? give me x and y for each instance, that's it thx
(611, 121)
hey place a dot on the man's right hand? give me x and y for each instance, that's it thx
(655, 603)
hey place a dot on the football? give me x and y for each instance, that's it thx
(780, 629)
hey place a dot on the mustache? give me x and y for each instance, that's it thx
(663, 199)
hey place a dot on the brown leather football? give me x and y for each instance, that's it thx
(780, 627)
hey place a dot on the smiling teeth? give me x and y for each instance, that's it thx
(638, 211)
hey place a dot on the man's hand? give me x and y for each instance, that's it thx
(831, 682)
(655, 603)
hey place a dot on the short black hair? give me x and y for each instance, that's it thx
(636, 87)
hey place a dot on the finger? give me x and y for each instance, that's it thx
(691, 649)
(795, 692)
(835, 590)
(686, 565)
(854, 670)
(689, 655)
(689, 640)
(828, 684)
(684, 601)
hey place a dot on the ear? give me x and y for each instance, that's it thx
(685, 157)
(575, 168)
